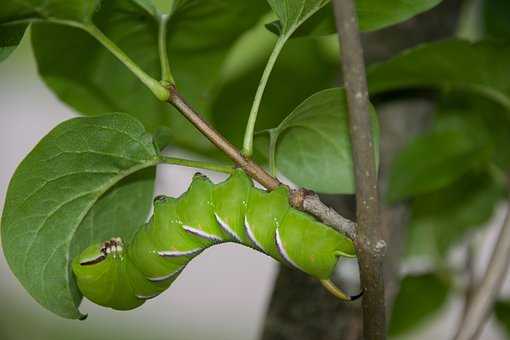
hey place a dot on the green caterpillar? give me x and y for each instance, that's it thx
(123, 277)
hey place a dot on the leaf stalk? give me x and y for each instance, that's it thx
(252, 119)
(166, 73)
(157, 89)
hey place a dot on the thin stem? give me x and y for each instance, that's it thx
(300, 199)
(483, 299)
(369, 243)
(273, 138)
(197, 164)
(252, 119)
(166, 74)
(253, 169)
(157, 89)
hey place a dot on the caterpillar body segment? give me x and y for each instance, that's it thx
(145, 256)
(266, 212)
(124, 276)
(196, 211)
(169, 227)
(230, 200)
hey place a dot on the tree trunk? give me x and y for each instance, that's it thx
(300, 308)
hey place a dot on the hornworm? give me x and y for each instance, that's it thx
(123, 276)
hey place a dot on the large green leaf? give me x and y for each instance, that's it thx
(419, 298)
(10, 37)
(441, 219)
(89, 179)
(431, 161)
(79, 11)
(313, 147)
(87, 77)
(502, 309)
(372, 15)
(482, 68)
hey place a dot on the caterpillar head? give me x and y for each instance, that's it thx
(96, 254)
(102, 276)
(113, 247)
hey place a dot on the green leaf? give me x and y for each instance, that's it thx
(165, 6)
(87, 180)
(88, 78)
(10, 37)
(292, 13)
(79, 11)
(495, 19)
(441, 219)
(431, 161)
(313, 148)
(502, 311)
(483, 69)
(372, 15)
(419, 298)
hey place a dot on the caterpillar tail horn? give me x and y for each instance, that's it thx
(338, 293)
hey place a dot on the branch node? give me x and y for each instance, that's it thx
(298, 196)
(312, 204)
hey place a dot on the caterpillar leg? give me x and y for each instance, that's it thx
(337, 292)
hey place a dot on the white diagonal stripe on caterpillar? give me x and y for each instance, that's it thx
(146, 297)
(226, 228)
(177, 253)
(251, 236)
(93, 260)
(202, 234)
(283, 252)
(165, 277)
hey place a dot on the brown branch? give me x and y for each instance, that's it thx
(300, 199)
(369, 243)
(314, 206)
(254, 170)
(482, 300)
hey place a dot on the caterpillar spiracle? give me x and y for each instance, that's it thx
(123, 276)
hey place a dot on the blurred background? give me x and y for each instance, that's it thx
(224, 294)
